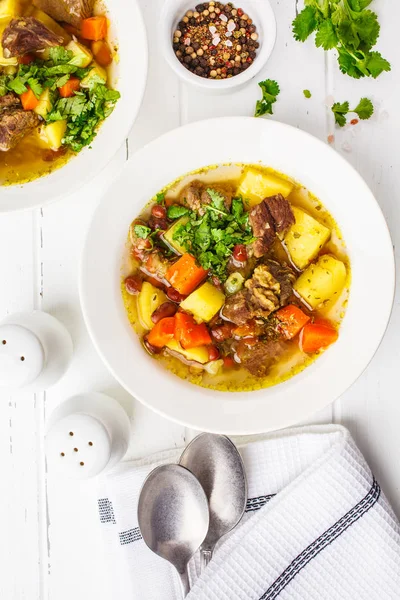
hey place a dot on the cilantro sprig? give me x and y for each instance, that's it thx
(349, 27)
(212, 236)
(364, 110)
(83, 112)
(270, 91)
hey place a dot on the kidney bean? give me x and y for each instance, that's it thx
(213, 353)
(156, 223)
(150, 349)
(167, 309)
(174, 295)
(159, 211)
(222, 332)
(240, 253)
(133, 284)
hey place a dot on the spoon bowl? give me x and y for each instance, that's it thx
(218, 466)
(173, 516)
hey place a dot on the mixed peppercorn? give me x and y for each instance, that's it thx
(216, 40)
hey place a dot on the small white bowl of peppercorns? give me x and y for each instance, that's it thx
(217, 46)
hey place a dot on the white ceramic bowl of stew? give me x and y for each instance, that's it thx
(127, 31)
(343, 193)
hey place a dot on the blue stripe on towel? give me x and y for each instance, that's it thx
(323, 541)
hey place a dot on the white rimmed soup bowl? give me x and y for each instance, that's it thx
(327, 175)
(263, 17)
(129, 78)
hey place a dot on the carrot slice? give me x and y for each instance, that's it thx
(94, 28)
(162, 332)
(317, 336)
(292, 320)
(29, 100)
(185, 275)
(190, 334)
(102, 53)
(69, 88)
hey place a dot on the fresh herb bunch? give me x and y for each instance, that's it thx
(212, 236)
(349, 27)
(364, 110)
(270, 91)
(83, 111)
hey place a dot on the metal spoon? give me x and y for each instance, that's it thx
(173, 516)
(217, 464)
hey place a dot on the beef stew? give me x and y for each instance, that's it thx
(235, 277)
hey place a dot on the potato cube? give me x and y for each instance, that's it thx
(256, 185)
(199, 354)
(5, 62)
(322, 281)
(51, 24)
(44, 105)
(305, 238)
(204, 302)
(149, 299)
(53, 134)
(96, 75)
(9, 8)
(169, 236)
(82, 55)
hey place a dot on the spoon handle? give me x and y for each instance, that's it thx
(185, 582)
(205, 557)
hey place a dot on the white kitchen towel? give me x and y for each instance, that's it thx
(316, 527)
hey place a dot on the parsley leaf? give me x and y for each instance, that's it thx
(217, 200)
(350, 28)
(35, 86)
(175, 211)
(17, 85)
(364, 110)
(60, 55)
(270, 91)
(142, 231)
(307, 93)
(340, 111)
(304, 24)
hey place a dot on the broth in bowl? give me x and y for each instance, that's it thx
(235, 277)
(55, 83)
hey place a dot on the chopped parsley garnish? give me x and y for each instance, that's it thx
(83, 111)
(307, 93)
(142, 231)
(160, 198)
(349, 27)
(176, 212)
(364, 110)
(212, 236)
(270, 91)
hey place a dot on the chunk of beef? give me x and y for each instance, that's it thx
(264, 292)
(27, 34)
(225, 193)
(190, 196)
(70, 11)
(258, 358)
(263, 226)
(8, 101)
(236, 308)
(281, 212)
(285, 276)
(15, 123)
(273, 215)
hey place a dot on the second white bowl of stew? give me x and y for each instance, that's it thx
(68, 92)
(232, 294)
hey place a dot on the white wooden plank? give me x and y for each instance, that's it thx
(370, 408)
(20, 413)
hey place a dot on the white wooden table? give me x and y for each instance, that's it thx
(50, 541)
